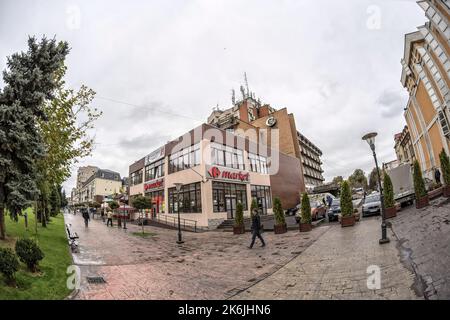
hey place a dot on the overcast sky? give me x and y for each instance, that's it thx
(334, 64)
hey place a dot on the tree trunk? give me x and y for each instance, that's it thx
(2, 212)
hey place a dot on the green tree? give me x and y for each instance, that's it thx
(346, 200)
(278, 212)
(445, 167)
(338, 180)
(373, 180)
(419, 183)
(239, 217)
(63, 196)
(141, 203)
(253, 206)
(55, 201)
(358, 179)
(305, 213)
(113, 205)
(30, 81)
(388, 192)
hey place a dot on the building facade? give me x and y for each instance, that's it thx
(426, 76)
(217, 170)
(249, 114)
(403, 147)
(100, 183)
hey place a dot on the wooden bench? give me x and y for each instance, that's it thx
(73, 236)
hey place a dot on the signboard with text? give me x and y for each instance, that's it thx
(227, 174)
(155, 155)
(153, 185)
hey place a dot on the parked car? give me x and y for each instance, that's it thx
(372, 205)
(318, 211)
(292, 211)
(334, 210)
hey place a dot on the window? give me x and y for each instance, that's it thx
(226, 156)
(262, 196)
(136, 177)
(258, 163)
(190, 200)
(185, 158)
(223, 191)
(154, 170)
(157, 199)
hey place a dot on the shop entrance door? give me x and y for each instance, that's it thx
(231, 206)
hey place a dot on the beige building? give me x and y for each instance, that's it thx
(99, 184)
(403, 147)
(426, 76)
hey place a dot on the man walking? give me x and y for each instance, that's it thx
(86, 217)
(110, 216)
(256, 229)
(437, 175)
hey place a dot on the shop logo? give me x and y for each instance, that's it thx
(153, 185)
(215, 173)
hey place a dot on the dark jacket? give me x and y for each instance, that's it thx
(86, 215)
(256, 222)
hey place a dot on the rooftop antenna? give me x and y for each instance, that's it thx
(246, 82)
(233, 97)
(243, 92)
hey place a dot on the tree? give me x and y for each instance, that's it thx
(278, 212)
(305, 213)
(419, 183)
(55, 202)
(338, 180)
(346, 199)
(113, 205)
(141, 203)
(253, 206)
(63, 196)
(239, 217)
(373, 180)
(30, 80)
(358, 179)
(445, 166)
(388, 192)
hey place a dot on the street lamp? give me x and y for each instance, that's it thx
(178, 187)
(124, 216)
(370, 138)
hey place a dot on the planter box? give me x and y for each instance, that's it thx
(279, 229)
(305, 227)
(348, 221)
(390, 212)
(422, 202)
(238, 229)
(446, 191)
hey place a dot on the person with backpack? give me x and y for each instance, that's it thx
(86, 217)
(256, 229)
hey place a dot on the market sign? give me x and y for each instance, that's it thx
(155, 155)
(227, 174)
(154, 184)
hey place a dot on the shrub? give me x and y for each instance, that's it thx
(305, 213)
(346, 200)
(388, 192)
(239, 217)
(253, 206)
(113, 205)
(278, 212)
(8, 264)
(419, 183)
(445, 166)
(29, 253)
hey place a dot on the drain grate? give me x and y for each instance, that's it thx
(95, 280)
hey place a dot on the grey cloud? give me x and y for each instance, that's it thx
(146, 142)
(391, 103)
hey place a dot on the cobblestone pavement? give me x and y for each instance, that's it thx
(211, 265)
(335, 267)
(424, 240)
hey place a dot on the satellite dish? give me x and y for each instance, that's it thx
(271, 121)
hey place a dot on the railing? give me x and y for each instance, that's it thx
(173, 221)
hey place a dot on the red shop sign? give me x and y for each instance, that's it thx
(216, 173)
(154, 185)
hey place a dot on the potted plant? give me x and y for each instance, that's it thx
(280, 221)
(390, 210)
(305, 214)
(419, 187)
(348, 218)
(445, 167)
(239, 227)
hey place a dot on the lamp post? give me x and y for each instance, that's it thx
(370, 139)
(124, 217)
(178, 187)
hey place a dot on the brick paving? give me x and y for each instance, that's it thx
(212, 265)
(424, 241)
(335, 267)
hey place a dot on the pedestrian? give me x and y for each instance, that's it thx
(86, 217)
(110, 216)
(256, 229)
(437, 175)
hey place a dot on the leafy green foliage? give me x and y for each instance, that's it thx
(388, 192)
(253, 206)
(358, 179)
(278, 212)
(346, 200)
(113, 205)
(29, 253)
(305, 213)
(239, 217)
(445, 166)
(419, 183)
(373, 180)
(338, 180)
(141, 202)
(8, 264)
(55, 201)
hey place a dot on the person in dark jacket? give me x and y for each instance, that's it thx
(86, 217)
(256, 229)
(437, 175)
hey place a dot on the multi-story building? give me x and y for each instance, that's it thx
(403, 146)
(249, 114)
(426, 75)
(217, 170)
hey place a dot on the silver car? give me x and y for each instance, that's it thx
(372, 205)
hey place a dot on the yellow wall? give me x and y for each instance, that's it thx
(425, 104)
(436, 142)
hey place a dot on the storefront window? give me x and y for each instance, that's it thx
(185, 158)
(262, 196)
(226, 156)
(227, 195)
(190, 199)
(157, 200)
(136, 177)
(154, 170)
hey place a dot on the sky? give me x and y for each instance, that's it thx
(159, 67)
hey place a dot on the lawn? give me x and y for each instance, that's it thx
(50, 282)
